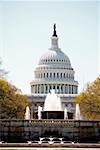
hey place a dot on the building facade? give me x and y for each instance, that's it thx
(54, 71)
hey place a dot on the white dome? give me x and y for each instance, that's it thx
(55, 57)
(54, 71)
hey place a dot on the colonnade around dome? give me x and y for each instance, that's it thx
(59, 88)
(54, 75)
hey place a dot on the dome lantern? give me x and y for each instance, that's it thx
(54, 39)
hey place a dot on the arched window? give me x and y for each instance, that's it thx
(57, 75)
(47, 74)
(50, 75)
(61, 75)
(44, 75)
(64, 75)
(41, 75)
(54, 75)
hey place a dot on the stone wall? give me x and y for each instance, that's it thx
(72, 130)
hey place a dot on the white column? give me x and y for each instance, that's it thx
(76, 89)
(40, 88)
(33, 90)
(55, 88)
(68, 88)
(37, 88)
(52, 86)
(47, 88)
(43, 88)
(71, 89)
(64, 88)
(60, 89)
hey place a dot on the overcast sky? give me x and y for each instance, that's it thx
(25, 31)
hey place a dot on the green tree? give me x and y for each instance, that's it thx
(89, 101)
(12, 104)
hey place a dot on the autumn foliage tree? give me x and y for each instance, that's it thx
(89, 101)
(12, 104)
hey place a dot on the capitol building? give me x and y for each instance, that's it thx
(54, 71)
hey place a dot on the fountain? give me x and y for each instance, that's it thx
(40, 141)
(78, 113)
(39, 112)
(29, 142)
(52, 102)
(52, 107)
(61, 140)
(51, 140)
(27, 113)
